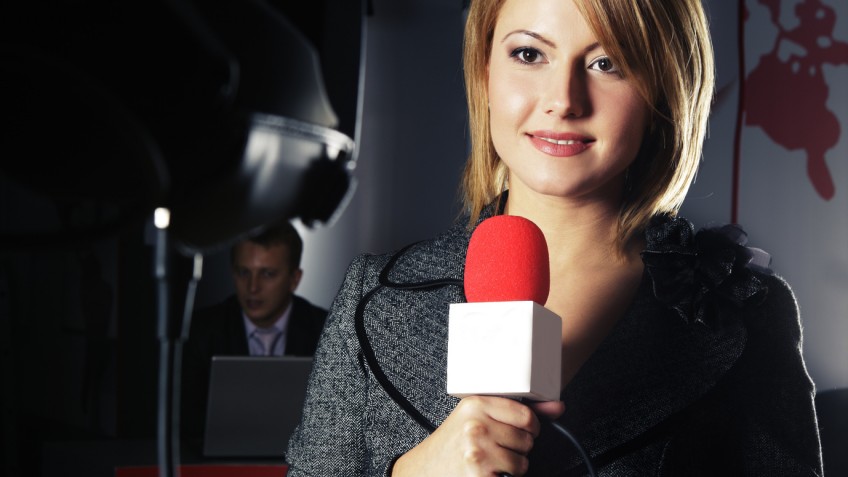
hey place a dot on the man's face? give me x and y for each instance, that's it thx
(264, 281)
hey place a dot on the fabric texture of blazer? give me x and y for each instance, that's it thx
(703, 375)
(218, 330)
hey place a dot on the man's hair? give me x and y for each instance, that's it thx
(281, 233)
(664, 48)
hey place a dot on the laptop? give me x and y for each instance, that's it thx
(254, 404)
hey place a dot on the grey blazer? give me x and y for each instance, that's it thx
(703, 375)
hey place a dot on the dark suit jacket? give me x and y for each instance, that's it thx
(703, 375)
(219, 330)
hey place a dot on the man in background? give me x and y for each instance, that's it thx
(263, 318)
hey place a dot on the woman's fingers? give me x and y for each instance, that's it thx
(548, 409)
(492, 448)
(484, 435)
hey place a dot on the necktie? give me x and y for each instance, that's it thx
(268, 337)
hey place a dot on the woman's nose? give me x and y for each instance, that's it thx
(566, 94)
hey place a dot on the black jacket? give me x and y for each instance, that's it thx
(703, 375)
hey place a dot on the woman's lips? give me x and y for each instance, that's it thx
(560, 144)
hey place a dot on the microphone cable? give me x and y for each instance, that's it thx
(571, 438)
(568, 435)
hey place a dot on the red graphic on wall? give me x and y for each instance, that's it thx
(786, 94)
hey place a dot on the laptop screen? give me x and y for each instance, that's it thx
(254, 404)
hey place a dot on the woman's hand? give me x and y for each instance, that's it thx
(483, 436)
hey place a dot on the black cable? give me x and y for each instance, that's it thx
(568, 435)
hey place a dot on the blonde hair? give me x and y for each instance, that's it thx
(664, 47)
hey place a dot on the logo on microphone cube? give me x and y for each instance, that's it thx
(511, 349)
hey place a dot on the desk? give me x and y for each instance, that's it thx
(138, 458)
(210, 470)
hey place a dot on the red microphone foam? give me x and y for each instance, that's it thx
(507, 260)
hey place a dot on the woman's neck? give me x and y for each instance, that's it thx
(578, 232)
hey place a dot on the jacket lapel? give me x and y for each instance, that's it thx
(652, 366)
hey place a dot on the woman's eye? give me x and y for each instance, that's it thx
(604, 65)
(526, 55)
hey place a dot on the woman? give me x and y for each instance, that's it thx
(681, 356)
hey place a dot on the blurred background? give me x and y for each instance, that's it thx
(78, 319)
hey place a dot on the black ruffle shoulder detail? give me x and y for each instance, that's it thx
(699, 274)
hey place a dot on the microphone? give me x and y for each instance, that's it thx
(504, 342)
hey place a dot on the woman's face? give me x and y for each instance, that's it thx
(563, 119)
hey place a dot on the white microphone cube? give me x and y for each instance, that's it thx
(511, 349)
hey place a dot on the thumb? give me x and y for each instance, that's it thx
(548, 409)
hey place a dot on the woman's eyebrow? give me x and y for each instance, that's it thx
(532, 34)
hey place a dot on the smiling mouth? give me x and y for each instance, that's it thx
(561, 145)
(563, 142)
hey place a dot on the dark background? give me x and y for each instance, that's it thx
(78, 341)
(83, 81)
